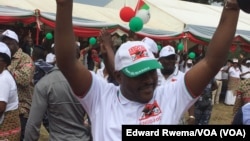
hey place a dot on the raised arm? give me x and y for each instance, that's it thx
(107, 52)
(75, 72)
(200, 75)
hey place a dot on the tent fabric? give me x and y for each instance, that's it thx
(12, 14)
(93, 18)
(170, 19)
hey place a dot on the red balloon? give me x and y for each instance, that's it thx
(126, 13)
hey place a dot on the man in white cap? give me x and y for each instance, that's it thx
(50, 57)
(152, 45)
(170, 72)
(22, 69)
(137, 99)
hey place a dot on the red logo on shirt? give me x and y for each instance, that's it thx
(150, 113)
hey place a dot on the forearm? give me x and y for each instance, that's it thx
(108, 59)
(65, 50)
(64, 36)
(223, 37)
(216, 55)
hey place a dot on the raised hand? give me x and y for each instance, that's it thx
(105, 40)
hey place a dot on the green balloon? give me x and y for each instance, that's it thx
(159, 47)
(180, 46)
(135, 24)
(145, 6)
(49, 36)
(92, 40)
(191, 55)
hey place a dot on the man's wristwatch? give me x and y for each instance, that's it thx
(231, 4)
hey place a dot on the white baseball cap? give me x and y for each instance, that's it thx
(53, 45)
(152, 44)
(134, 58)
(4, 49)
(50, 58)
(248, 61)
(189, 61)
(167, 51)
(11, 34)
(235, 60)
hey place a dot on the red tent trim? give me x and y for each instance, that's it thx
(10, 19)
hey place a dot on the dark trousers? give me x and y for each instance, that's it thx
(202, 116)
(46, 122)
(23, 125)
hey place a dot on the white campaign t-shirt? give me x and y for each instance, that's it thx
(244, 70)
(8, 91)
(234, 72)
(175, 76)
(108, 109)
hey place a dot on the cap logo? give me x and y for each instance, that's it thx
(138, 52)
(6, 33)
(170, 50)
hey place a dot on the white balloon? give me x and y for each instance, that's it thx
(144, 15)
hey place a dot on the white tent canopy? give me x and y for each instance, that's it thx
(174, 15)
(182, 16)
(168, 17)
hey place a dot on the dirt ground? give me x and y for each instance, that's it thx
(221, 115)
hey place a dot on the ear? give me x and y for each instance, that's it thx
(117, 75)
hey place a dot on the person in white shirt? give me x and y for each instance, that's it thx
(233, 82)
(216, 93)
(245, 70)
(170, 73)
(137, 99)
(10, 125)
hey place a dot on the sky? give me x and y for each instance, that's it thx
(93, 2)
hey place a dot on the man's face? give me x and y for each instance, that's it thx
(140, 88)
(168, 64)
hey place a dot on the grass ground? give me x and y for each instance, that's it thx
(221, 115)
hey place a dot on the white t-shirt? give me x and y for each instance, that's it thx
(8, 91)
(218, 76)
(244, 70)
(101, 74)
(234, 72)
(175, 76)
(224, 74)
(108, 109)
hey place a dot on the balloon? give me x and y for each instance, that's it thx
(145, 6)
(126, 13)
(244, 5)
(144, 15)
(135, 24)
(92, 40)
(191, 55)
(49, 36)
(180, 46)
(159, 47)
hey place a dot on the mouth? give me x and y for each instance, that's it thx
(148, 88)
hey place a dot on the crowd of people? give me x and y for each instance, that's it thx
(80, 91)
